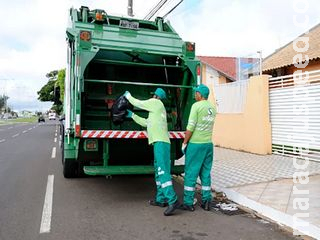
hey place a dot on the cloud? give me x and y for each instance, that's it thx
(240, 28)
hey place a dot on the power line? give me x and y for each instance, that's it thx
(164, 16)
(155, 10)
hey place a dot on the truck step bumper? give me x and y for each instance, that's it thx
(124, 170)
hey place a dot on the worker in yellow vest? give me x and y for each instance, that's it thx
(198, 149)
(158, 136)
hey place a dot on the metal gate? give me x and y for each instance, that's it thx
(295, 115)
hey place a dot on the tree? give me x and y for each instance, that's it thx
(53, 90)
(60, 83)
(3, 101)
(46, 92)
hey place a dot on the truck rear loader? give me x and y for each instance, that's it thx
(108, 55)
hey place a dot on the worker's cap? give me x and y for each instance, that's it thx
(203, 90)
(160, 93)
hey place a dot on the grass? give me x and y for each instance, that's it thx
(18, 120)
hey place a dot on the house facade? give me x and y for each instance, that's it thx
(285, 60)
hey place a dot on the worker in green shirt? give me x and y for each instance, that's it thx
(158, 136)
(198, 149)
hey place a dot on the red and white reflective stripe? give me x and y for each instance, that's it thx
(176, 135)
(124, 134)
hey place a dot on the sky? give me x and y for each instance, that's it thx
(32, 37)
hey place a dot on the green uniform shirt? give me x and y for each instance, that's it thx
(156, 122)
(201, 120)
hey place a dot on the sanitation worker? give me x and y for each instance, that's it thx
(158, 136)
(198, 149)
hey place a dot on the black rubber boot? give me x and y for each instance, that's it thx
(187, 207)
(153, 202)
(206, 205)
(170, 210)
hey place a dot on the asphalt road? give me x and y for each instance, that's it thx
(94, 207)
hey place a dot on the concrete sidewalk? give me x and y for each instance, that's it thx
(265, 184)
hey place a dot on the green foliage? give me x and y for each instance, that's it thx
(53, 90)
(46, 92)
(60, 82)
(3, 100)
(52, 75)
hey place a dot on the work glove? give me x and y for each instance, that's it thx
(127, 94)
(183, 148)
(129, 114)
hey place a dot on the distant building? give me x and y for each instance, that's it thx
(228, 69)
(25, 114)
(218, 69)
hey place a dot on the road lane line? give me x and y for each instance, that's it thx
(53, 154)
(47, 207)
(30, 129)
(25, 131)
(55, 139)
(16, 135)
(2, 140)
(55, 134)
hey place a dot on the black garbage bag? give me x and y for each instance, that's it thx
(119, 110)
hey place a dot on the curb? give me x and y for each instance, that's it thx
(281, 218)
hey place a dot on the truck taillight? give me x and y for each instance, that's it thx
(190, 46)
(78, 129)
(99, 15)
(198, 70)
(85, 36)
(198, 75)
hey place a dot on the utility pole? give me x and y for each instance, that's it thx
(130, 8)
(260, 61)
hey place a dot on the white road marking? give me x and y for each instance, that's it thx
(55, 134)
(47, 207)
(55, 139)
(16, 135)
(10, 127)
(53, 154)
(25, 131)
(2, 140)
(30, 129)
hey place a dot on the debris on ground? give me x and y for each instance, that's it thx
(221, 203)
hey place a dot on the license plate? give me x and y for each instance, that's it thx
(129, 24)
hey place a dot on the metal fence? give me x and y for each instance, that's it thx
(295, 115)
(231, 97)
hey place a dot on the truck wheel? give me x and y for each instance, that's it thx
(69, 168)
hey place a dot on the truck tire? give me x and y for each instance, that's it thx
(69, 168)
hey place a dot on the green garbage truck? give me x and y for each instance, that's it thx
(107, 55)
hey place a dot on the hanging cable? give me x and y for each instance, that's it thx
(155, 10)
(164, 16)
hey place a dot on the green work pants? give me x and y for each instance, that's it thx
(198, 162)
(165, 191)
